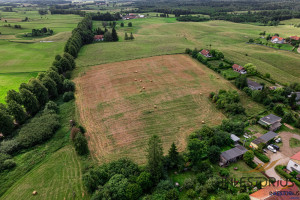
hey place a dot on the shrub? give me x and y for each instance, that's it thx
(6, 123)
(189, 183)
(80, 144)
(94, 178)
(68, 96)
(9, 163)
(279, 170)
(82, 129)
(224, 172)
(68, 85)
(74, 132)
(51, 106)
(261, 157)
(9, 146)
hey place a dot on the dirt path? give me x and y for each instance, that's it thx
(286, 149)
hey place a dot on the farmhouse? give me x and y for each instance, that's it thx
(130, 16)
(277, 40)
(294, 163)
(272, 191)
(232, 155)
(239, 69)
(271, 121)
(206, 53)
(263, 139)
(253, 85)
(295, 38)
(98, 38)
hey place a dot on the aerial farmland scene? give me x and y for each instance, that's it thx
(150, 99)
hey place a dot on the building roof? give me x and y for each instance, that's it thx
(257, 141)
(295, 38)
(268, 136)
(98, 37)
(237, 67)
(284, 186)
(234, 138)
(270, 119)
(234, 152)
(296, 156)
(276, 37)
(205, 52)
(253, 83)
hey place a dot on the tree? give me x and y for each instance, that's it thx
(214, 154)
(6, 123)
(196, 150)
(288, 118)
(250, 68)
(144, 180)
(278, 109)
(172, 194)
(51, 87)
(126, 36)
(248, 156)
(108, 36)
(13, 95)
(81, 145)
(173, 156)
(17, 111)
(57, 79)
(39, 90)
(155, 158)
(122, 24)
(115, 188)
(241, 82)
(279, 46)
(130, 24)
(71, 60)
(69, 85)
(133, 191)
(114, 35)
(242, 196)
(131, 36)
(65, 64)
(29, 101)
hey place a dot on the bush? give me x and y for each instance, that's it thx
(81, 145)
(189, 183)
(51, 106)
(279, 170)
(38, 130)
(261, 157)
(224, 172)
(68, 96)
(9, 146)
(74, 132)
(9, 163)
(68, 85)
(82, 129)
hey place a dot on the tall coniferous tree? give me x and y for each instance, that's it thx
(114, 35)
(155, 158)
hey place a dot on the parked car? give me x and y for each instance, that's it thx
(275, 147)
(246, 136)
(278, 140)
(265, 151)
(271, 149)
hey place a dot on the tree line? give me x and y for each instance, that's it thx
(106, 16)
(34, 100)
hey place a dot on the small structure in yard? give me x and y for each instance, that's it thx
(271, 121)
(254, 85)
(277, 40)
(232, 155)
(235, 138)
(294, 163)
(34, 192)
(263, 139)
(280, 190)
(239, 69)
(206, 53)
(98, 38)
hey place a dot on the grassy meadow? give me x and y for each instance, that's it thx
(22, 58)
(160, 36)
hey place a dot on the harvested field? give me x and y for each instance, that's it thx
(120, 115)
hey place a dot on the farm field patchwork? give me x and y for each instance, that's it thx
(120, 115)
(160, 36)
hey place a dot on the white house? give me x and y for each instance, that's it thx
(277, 40)
(294, 163)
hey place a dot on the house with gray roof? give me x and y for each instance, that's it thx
(232, 155)
(271, 121)
(254, 85)
(263, 139)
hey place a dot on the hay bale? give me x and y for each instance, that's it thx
(218, 77)
(155, 106)
(203, 122)
(135, 79)
(200, 93)
(34, 192)
(136, 72)
(144, 88)
(140, 80)
(151, 81)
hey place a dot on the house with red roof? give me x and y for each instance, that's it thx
(294, 163)
(206, 53)
(98, 38)
(295, 38)
(239, 69)
(277, 40)
(280, 190)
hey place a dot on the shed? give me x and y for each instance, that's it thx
(232, 155)
(234, 138)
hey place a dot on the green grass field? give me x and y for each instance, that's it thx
(294, 142)
(160, 36)
(22, 59)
